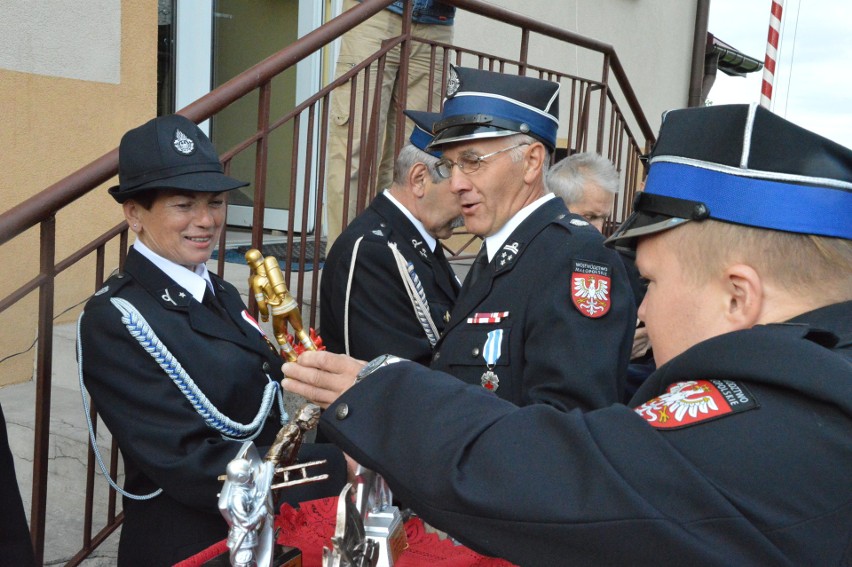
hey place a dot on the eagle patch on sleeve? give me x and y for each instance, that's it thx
(688, 403)
(590, 288)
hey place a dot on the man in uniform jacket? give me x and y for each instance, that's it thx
(177, 368)
(546, 314)
(588, 184)
(387, 285)
(736, 451)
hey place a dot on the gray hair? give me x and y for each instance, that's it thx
(518, 153)
(410, 155)
(567, 178)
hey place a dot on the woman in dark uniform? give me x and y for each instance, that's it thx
(178, 369)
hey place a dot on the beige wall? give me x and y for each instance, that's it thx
(57, 115)
(653, 41)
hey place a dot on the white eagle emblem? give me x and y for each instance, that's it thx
(183, 144)
(591, 294)
(453, 82)
(693, 401)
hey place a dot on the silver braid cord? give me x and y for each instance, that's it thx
(139, 329)
(421, 307)
(416, 295)
(95, 448)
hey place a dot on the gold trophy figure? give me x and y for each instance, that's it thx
(286, 309)
(272, 296)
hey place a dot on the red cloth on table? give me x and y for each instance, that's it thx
(311, 526)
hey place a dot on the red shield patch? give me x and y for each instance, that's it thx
(590, 288)
(688, 403)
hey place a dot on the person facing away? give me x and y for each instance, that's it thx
(178, 369)
(432, 21)
(387, 285)
(545, 314)
(588, 184)
(736, 451)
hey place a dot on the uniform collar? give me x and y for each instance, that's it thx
(427, 238)
(495, 242)
(835, 318)
(193, 282)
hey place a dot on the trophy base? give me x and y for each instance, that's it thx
(386, 529)
(284, 556)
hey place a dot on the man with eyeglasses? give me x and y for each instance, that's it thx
(546, 314)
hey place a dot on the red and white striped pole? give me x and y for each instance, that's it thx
(771, 52)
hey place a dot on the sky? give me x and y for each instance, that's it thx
(813, 81)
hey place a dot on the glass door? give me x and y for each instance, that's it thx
(215, 41)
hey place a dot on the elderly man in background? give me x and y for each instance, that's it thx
(587, 183)
(387, 285)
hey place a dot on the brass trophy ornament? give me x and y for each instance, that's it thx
(266, 282)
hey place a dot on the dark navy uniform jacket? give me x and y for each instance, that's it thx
(164, 442)
(16, 548)
(381, 317)
(551, 351)
(738, 452)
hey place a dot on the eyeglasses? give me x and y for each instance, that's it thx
(468, 163)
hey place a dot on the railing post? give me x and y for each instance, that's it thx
(44, 367)
(404, 56)
(262, 156)
(602, 109)
(525, 48)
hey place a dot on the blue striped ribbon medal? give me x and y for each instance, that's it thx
(491, 354)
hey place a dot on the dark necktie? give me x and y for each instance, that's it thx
(212, 303)
(478, 267)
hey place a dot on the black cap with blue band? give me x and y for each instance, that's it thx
(485, 104)
(745, 165)
(421, 135)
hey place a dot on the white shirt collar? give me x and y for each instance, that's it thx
(193, 282)
(427, 238)
(494, 242)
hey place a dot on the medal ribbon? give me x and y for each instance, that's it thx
(491, 350)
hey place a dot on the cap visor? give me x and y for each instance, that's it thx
(640, 224)
(197, 182)
(465, 132)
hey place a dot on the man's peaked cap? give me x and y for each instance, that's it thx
(742, 164)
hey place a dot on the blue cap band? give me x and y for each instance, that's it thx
(421, 139)
(754, 202)
(470, 104)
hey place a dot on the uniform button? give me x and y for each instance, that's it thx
(266, 367)
(437, 356)
(475, 352)
(342, 411)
